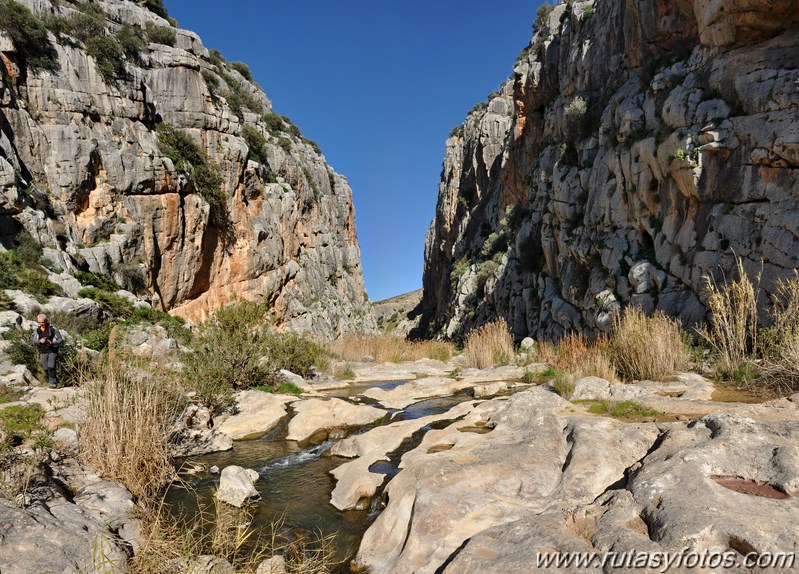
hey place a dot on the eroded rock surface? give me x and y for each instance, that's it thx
(547, 479)
(637, 147)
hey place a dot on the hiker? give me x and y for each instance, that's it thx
(47, 339)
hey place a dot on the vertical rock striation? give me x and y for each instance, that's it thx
(84, 169)
(639, 146)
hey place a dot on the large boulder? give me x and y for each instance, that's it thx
(317, 416)
(236, 486)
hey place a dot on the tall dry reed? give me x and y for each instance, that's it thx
(733, 326)
(355, 347)
(489, 345)
(781, 373)
(130, 410)
(644, 347)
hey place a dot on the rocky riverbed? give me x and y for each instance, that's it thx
(507, 477)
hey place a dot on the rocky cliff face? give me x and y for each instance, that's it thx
(639, 146)
(94, 163)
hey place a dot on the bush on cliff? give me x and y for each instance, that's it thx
(28, 34)
(204, 175)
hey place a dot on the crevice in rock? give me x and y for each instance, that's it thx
(448, 561)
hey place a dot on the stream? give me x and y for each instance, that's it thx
(295, 482)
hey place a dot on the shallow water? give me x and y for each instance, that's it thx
(295, 482)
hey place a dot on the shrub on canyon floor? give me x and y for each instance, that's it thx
(130, 410)
(733, 329)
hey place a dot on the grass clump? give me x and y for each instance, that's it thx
(732, 332)
(563, 385)
(622, 410)
(646, 347)
(113, 304)
(285, 388)
(491, 344)
(130, 410)
(574, 354)
(179, 543)
(21, 421)
(344, 373)
(98, 280)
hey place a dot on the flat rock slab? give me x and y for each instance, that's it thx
(315, 415)
(354, 480)
(436, 386)
(546, 481)
(258, 413)
(409, 370)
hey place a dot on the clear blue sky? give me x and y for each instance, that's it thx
(378, 84)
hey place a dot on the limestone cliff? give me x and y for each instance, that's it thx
(638, 146)
(97, 163)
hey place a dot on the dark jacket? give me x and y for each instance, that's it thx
(49, 333)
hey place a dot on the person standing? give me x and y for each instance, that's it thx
(47, 339)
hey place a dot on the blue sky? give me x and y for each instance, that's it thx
(378, 85)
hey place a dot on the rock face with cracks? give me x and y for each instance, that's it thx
(547, 480)
(637, 147)
(85, 172)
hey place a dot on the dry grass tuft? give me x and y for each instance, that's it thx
(129, 416)
(781, 374)
(644, 347)
(355, 347)
(733, 328)
(177, 543)
(491, 344)
(576, 355)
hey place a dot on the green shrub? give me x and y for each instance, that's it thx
(228, 350)
(156, 7)
(295, 353)
(160, 34)
(99, 280)
(28, 34)
(285, 388)
(21, 350)
(28, 249)
(113, 304)
(109, 56)
(131, 40)
(211, 79)
(242, 69)
(16, 274)
(255, 141)
(97, 339)
(274, 123)
(285, 144)
(21, 420)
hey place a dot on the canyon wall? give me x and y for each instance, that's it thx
(638, 148)
(94, 164)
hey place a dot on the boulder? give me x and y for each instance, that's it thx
(258, 412)
(236, 486)
(194, 434)
(313, 416)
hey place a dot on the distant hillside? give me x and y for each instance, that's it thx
(393, 314)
